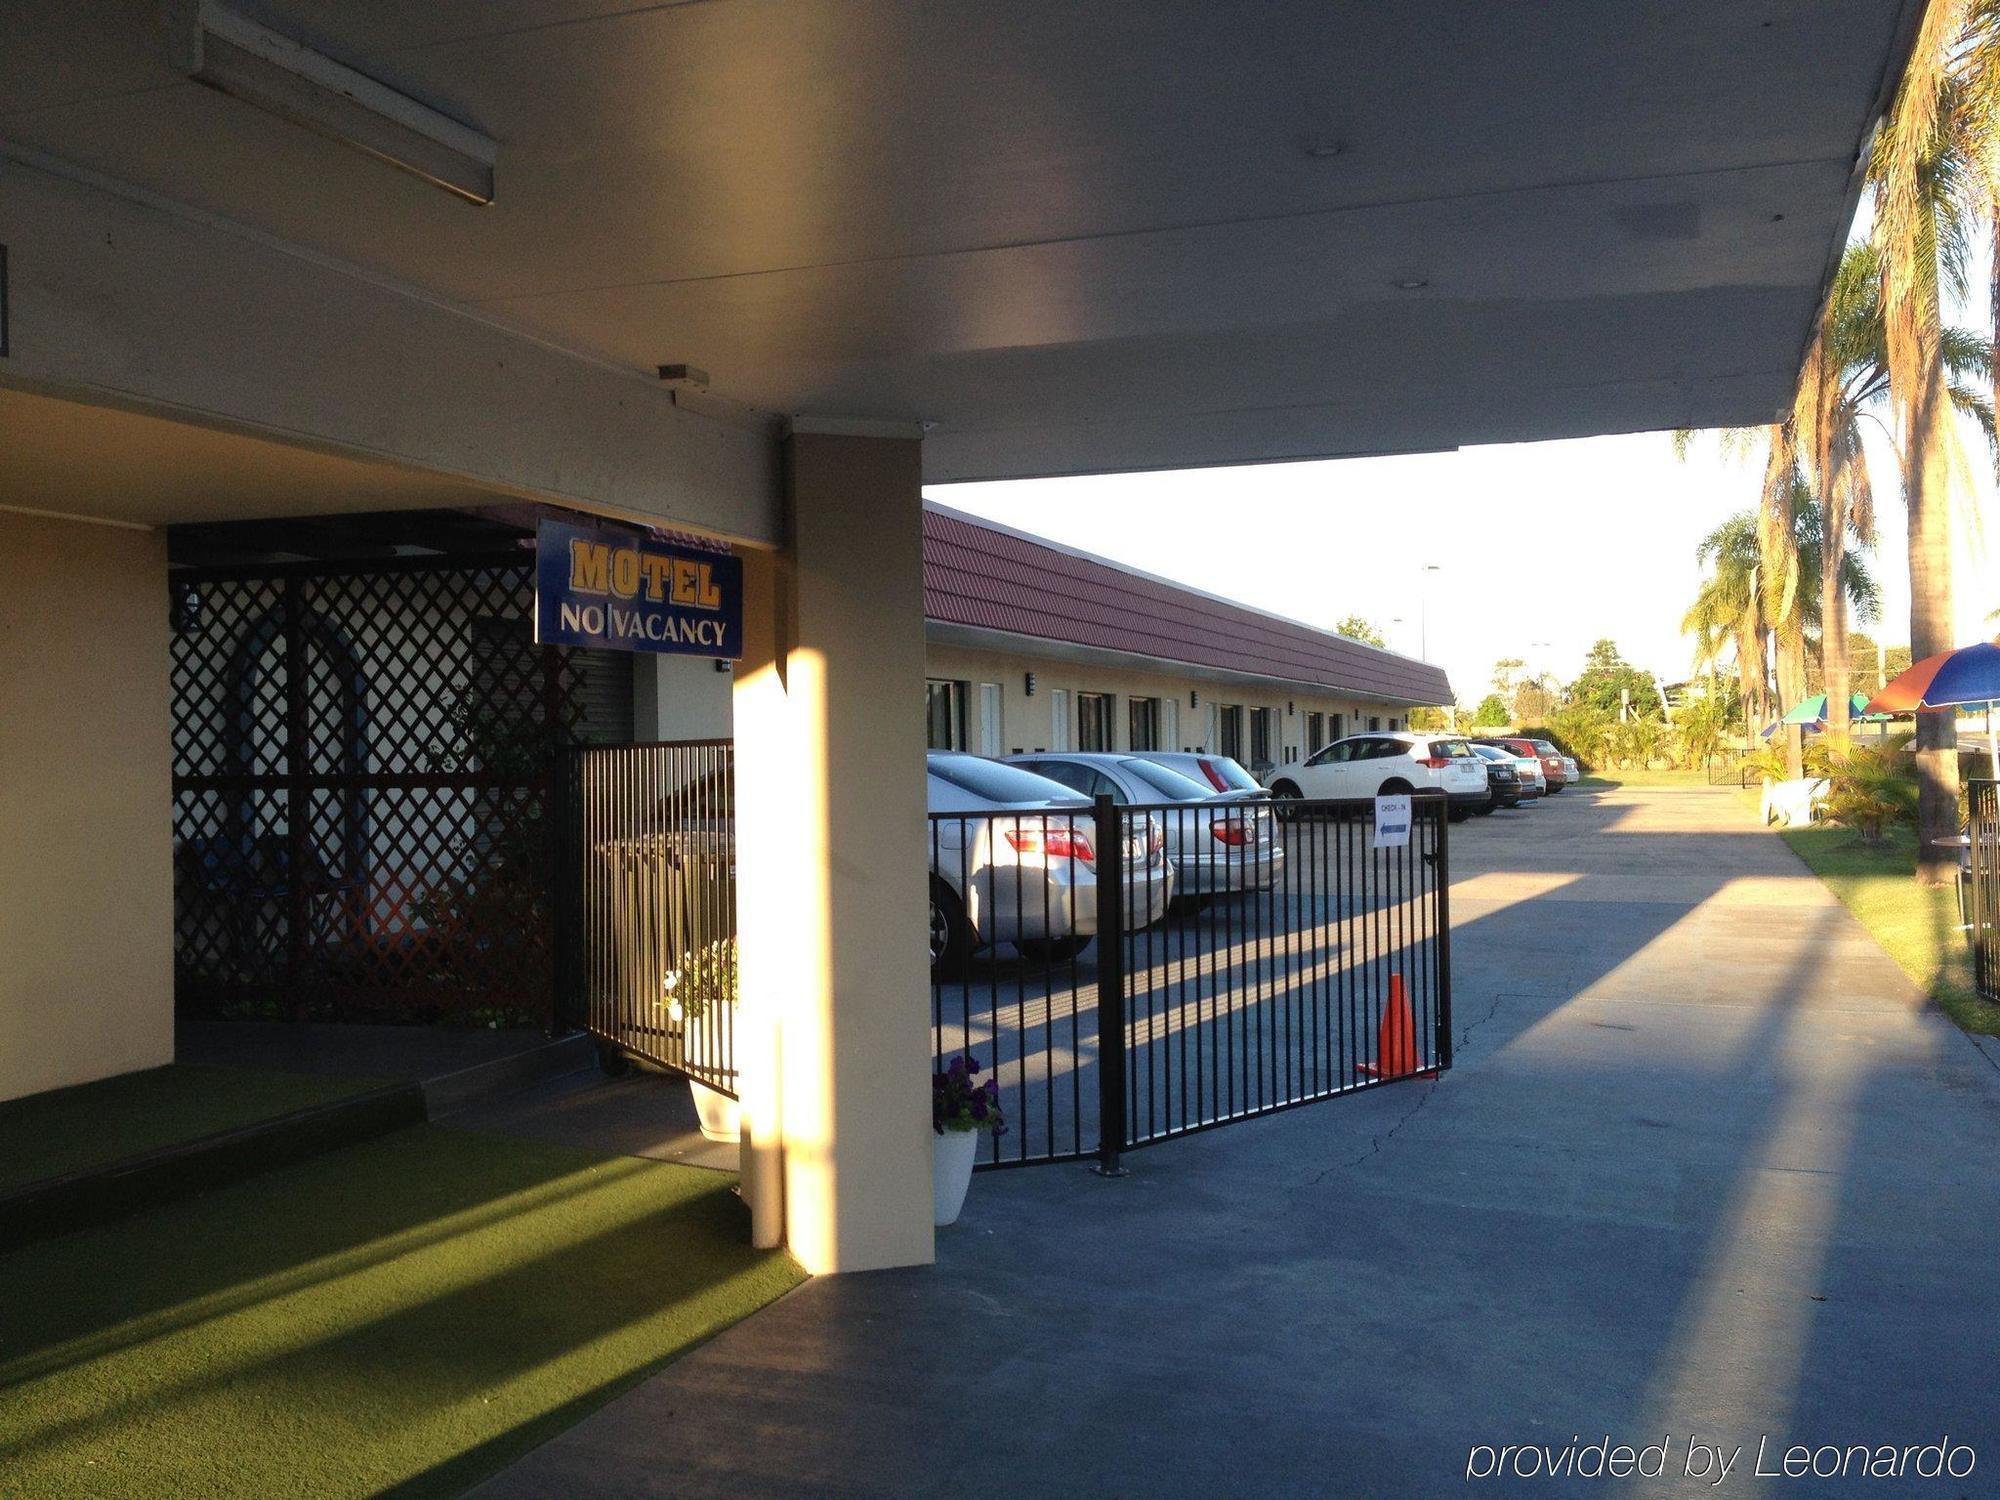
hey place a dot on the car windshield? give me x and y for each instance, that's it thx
(1490, 752)
(1544, 747)
(1171, 785)
(996, 782)
(1454, 749)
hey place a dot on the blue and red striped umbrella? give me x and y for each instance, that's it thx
(1951, 679)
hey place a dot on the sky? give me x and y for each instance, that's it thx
(1540, 548)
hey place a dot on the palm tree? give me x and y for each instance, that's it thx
(1778, 577)
(1728, 607)
(1927, 169)
(1844, 381)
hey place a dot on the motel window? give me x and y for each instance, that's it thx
(1170, 724)
(1260, 735)
(1374, 723)
(1229, 731)
(1336, 727)
(1093, 721)
(1315, 731)
(1142, 717)
(944, 713)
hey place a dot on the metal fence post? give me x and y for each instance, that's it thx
(1111, 896)
(1441, 873)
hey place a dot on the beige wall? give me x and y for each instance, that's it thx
(694, 704)
(1029, 723)
(86, 863)
(830, 858)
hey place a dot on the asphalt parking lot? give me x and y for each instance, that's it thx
(1707, 1172)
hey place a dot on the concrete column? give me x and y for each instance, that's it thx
(86, 804)
(831, 861)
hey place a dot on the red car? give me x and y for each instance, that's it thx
(1554, 770)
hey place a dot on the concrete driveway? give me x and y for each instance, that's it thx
(1707, 1172)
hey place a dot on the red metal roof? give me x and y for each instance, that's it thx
(990, 578)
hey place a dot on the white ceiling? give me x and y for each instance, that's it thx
(1073, 234)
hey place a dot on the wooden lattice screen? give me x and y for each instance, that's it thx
(362, 760)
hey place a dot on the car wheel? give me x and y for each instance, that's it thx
(1286, 791)
(1052, 950)
(951, 934)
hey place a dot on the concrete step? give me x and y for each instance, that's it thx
(99, 1194)
(563, 1055)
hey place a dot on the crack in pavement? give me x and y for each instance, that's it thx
(1376, 1144)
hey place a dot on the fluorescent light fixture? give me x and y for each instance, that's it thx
(248, 61)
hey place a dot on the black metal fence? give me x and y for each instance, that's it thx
(1979, 885)
(1131, 974)
(651, 898)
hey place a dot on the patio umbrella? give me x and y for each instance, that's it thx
(1811, 712)
(1951, 679)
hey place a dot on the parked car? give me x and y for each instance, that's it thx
(1506, 780)
(1369, 765)
(1018, 864)
(1218, 771)
(1217, 842)
(1527, 767)
(1557, 771)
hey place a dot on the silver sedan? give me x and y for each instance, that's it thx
(1218, 842)
(1013, 859)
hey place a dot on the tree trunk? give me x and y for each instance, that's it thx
(1833, 621)
(1791, 693)
(1927, 493)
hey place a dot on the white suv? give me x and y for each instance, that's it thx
(1367, 765)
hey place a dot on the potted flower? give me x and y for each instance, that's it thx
(695, 994)
(962, 1110)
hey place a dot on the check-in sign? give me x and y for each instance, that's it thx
(1392, 821)
(622, 592)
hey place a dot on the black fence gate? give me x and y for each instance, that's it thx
(1979, 885)
(651, 898)
(1131, 974)
(361, 787)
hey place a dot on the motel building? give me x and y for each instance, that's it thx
(735, 283)
(1030, 646)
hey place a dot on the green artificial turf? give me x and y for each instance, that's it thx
(93, 1124)
(1916, 925)
(401, 1316)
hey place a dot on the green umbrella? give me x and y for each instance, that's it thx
(1812, 711)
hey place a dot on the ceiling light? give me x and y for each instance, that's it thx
(239, 57)
(1410, 283)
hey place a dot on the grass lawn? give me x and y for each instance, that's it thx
(1644, 778)
(1917, 926)
(402, 1316)
(65, 1130)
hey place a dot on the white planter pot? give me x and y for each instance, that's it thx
(721, 1116)
(952, 1154)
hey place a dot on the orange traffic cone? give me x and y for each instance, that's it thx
(1396, 1047)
